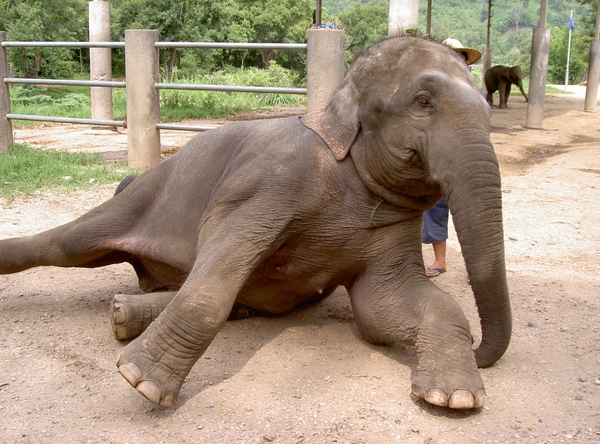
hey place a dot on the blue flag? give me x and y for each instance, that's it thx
(572, 24)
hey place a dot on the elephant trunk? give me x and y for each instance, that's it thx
(474, 197)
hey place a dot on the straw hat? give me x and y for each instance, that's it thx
(471, 54)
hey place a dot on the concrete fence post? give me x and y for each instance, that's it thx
(487, 64)
(143, 101)
(6, 134)
(325, 65)
(591, 91)
(100, 60)
(402, 16)
(537, 80)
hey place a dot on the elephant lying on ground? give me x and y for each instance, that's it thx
(266, 215)
(501, 78)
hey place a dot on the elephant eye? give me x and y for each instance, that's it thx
(423, 101)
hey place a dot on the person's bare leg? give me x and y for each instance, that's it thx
(439, 265)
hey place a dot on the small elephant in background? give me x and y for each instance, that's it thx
(501, 78)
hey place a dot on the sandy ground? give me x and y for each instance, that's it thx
(308, 377)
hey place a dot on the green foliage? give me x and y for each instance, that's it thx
(180, 104)
(175, 104)
(25, 170)
(336, 7)
(365, 22)
(48, 20)
(557, 58)
(364, 26)
(63, 101)
(223, 21)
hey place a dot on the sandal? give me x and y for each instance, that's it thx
(433, 272)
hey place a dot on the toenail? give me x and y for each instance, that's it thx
(437, 397)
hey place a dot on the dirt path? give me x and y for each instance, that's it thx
(309, 377)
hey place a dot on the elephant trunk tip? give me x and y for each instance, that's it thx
(487, 354)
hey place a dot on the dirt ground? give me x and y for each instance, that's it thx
(308, 377)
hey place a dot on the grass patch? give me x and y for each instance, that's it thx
(25, 170)
(53, 101)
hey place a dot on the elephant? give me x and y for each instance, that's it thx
(262, 216)
(501, 78)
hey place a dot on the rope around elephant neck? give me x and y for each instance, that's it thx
(381, 199)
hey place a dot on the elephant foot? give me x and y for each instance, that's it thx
(158, 378)
(458, 400)
(157, 362)
(130, 315)
(458, 386)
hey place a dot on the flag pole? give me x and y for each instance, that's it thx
(571, 26)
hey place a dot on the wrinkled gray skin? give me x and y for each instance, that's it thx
(273, 213)
(501, 78)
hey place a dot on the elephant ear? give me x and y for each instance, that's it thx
(338, 123)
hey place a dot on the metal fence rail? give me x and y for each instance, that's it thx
(97, 122)
(15, 44)
(197, 45)
(324, 72)
(64, 82)
(176, 86)
(231, 88)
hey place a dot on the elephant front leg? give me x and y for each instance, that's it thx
(157, 362)
(504, 94)
(446, 373)
(420, 313)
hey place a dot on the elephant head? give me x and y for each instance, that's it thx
(420, 132)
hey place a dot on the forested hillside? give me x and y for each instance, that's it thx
(511, 28)
(365, 22)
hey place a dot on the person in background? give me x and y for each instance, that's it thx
(435, 220)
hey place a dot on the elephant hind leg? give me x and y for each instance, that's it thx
(130, 315)
(490, 97)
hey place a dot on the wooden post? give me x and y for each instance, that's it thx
(487, 54)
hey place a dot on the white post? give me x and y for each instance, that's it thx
(100, 60)
(324, 67)
(591, 91)
(540, 46)
(571, 26)
(143, 101)
(403, 15)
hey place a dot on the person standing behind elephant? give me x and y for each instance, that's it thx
(501, 78)
(435, 220)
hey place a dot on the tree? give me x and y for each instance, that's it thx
(277, 21)
(517, 15)
(51, 20)
(364, 26)
(222, 21)
(168, 17)
(557, 57)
